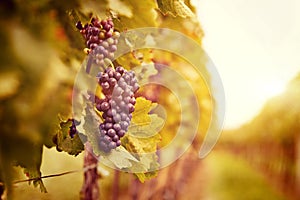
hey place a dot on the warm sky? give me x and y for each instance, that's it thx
(255, 46)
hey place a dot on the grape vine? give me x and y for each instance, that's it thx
(118, 85)
(31, 89)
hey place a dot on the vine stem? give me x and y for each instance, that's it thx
(109, 62)
(116, 185)
(52, 175)
(88, 65)
(90, 189)
(134, 188)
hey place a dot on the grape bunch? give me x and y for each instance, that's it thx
(119, 87)
(101, 39)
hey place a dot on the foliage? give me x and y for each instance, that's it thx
(64, 141)
(175, 7)
(140, 14)
(143, 138)
(39, 60)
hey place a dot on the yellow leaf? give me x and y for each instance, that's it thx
(142, 108)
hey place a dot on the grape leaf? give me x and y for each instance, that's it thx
(137, 57)
(141, 145)
(90, 126)
(140, 61)
(142, 108)
(65, 142)
(175, 8)
(153, 171)
(145, 150)
(144, 146)
(144, 15)
(96, 7)
(120, 157)
(34, 173)
(146, 130)
(30, 161)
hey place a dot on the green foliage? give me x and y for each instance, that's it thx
(39, 60)
(64, 142)
(89, 126)
(141, 62)
(146, 128)
(34, 173)
(35, 84)
(143, 141)
(24, 153)
(119, 158)
(139, 154)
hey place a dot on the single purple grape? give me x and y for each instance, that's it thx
(116, 138)
(111, 132)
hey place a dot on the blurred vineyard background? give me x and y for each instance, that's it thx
(41, 54)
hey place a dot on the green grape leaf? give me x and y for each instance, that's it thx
(145, 149)
(90, 126)
(30, 161)
(142, 139)
(120, 157)
(139, 152)
(175, 8)
(141, 145)
(34, 173)
(65, 142)
(146, 130)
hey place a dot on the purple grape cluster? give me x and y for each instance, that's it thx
(101, 39)
(119, 87)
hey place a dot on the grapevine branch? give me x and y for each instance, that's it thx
(54, 175)
(90, 189)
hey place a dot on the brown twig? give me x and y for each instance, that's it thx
(90, 188)
(52, 175)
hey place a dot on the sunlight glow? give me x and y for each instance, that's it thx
(254, 51)
(272, 89)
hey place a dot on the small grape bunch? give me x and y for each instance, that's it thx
(72, 128)
(118, 86)
(101, 39)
